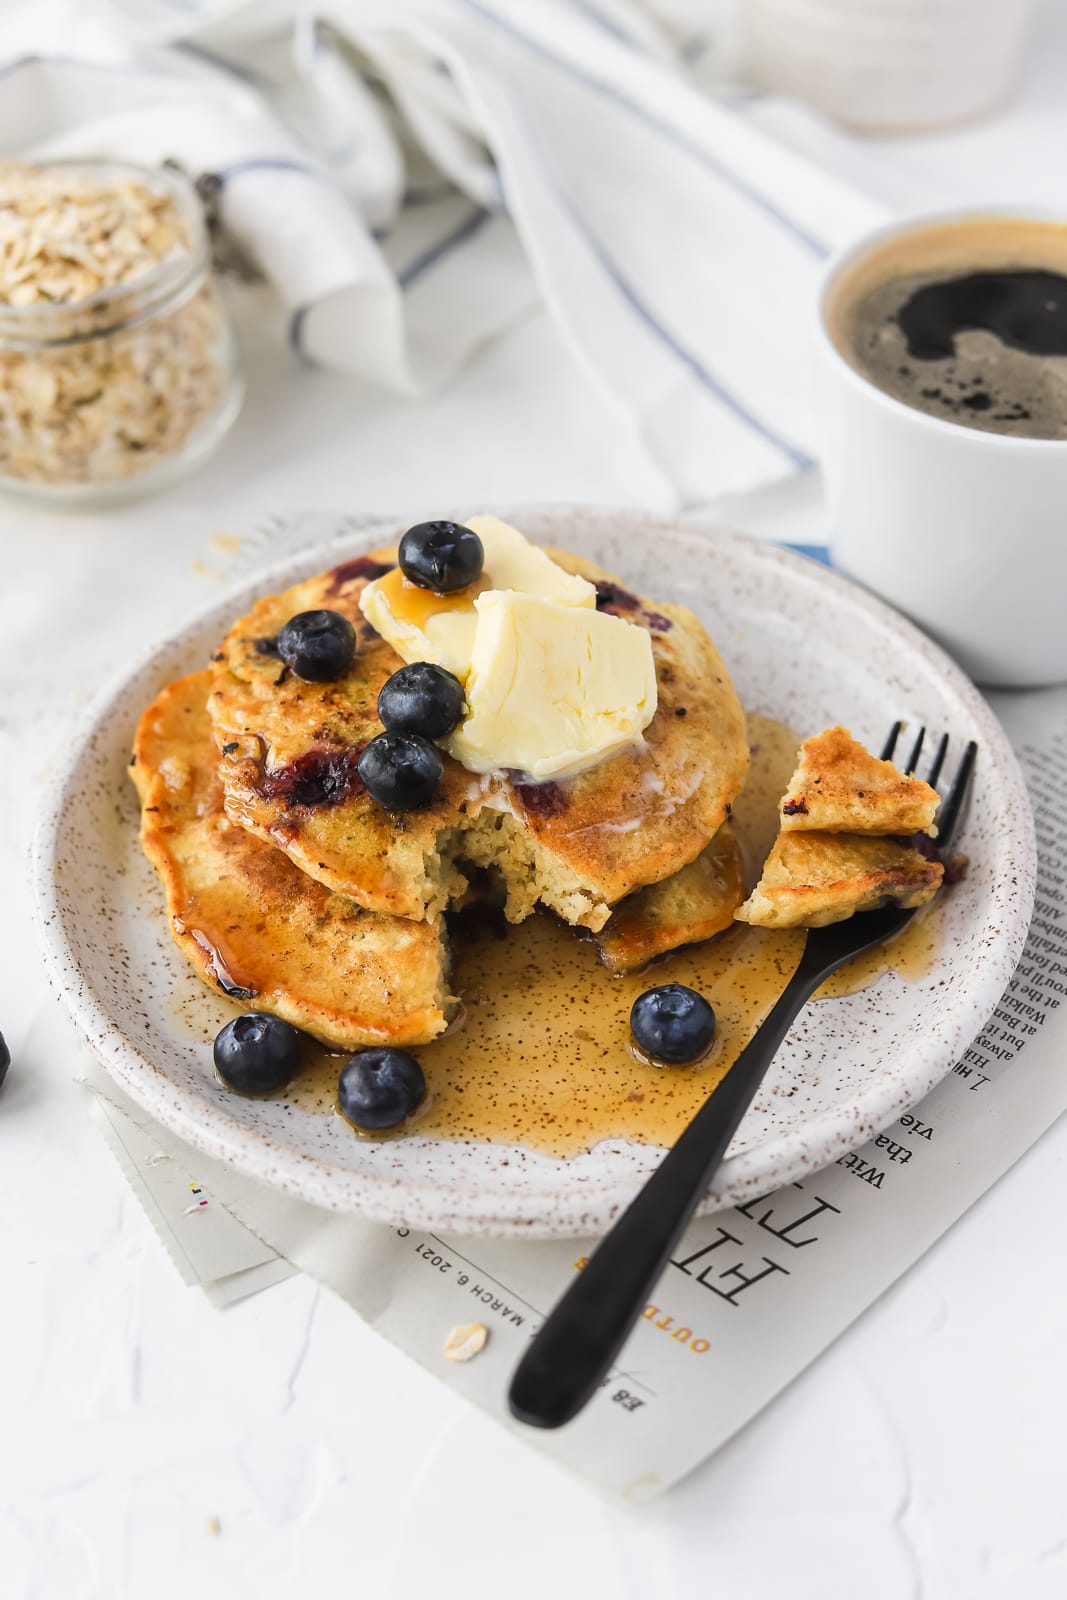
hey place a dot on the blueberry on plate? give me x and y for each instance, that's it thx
(443, 556)
(257, 1053)
(5, 1059)
(421, 698)
(318, 645)
(672, 1024)
(401, 771)
(380, 1088)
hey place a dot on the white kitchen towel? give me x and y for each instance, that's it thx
(412, 175)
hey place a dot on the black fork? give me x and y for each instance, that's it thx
(581, 1337)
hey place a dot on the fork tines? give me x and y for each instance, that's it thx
(948, 815)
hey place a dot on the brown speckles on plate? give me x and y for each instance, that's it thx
(849, 1067)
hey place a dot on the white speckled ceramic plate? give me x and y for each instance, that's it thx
(803, 645)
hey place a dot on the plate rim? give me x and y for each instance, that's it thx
(419, 1200)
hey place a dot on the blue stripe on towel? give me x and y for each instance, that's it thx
(608, 92)
(269, 164)
(703, 375)
(443, 247)
(609, 25)
(296, 331)
(467, 229)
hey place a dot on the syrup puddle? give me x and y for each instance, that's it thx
(540, 1052)
(543, 1057)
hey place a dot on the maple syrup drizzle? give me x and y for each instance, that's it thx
(540, 1052)
(412, 604)
(220, 966)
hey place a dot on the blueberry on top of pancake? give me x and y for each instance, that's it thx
(289, 771)
(252, 924)
(290, 753)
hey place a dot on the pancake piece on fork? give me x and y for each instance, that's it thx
(845, 842)
(839, 787)
(810, 879)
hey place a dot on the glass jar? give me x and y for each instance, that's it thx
(115, 391)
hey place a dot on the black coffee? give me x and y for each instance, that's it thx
(986, 347)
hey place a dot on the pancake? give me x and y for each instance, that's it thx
(252, 924)
(839, 787)
(289, 752)
(810, 879)
(686, 908)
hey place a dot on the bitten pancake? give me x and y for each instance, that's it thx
(252, 924)
(839, 787)
(810, 879)
(289, 771)
(691, 905)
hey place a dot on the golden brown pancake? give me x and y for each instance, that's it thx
(810, 879)
(290, 748)
(251, 923)
(839, 787)
(691, 905)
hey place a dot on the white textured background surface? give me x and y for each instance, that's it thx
(921, 1456)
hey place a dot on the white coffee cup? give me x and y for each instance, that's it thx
(964, 530)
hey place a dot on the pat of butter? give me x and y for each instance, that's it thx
(512, 562)
(423, 626)
(552, 688)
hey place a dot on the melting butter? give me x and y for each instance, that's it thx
(553, 685)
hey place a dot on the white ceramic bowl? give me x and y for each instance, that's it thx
(802, 644)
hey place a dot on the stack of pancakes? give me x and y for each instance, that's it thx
(289, 888)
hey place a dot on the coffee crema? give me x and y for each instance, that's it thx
(965, 321)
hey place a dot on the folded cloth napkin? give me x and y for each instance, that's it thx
(413, 176)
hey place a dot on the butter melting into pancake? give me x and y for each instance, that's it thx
(289, 752)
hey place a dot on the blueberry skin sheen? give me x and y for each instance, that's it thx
(258, 1052)
(318, 645)
(380, 1088)
(442, 556)
(5, 1059)
(672, 1024)
(401, 771)
(421, 698)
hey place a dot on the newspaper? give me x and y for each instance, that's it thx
(752, 1295)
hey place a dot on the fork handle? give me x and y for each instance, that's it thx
(579, 1340)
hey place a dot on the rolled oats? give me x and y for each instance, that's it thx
(115, 348)
(466, 1340)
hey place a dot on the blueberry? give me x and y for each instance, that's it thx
(401, 771)
(672, 1023)
(5, 1059)
(318, 645)
(257, 1052)
(442, 556)
(422, 699)
(379, 1088)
